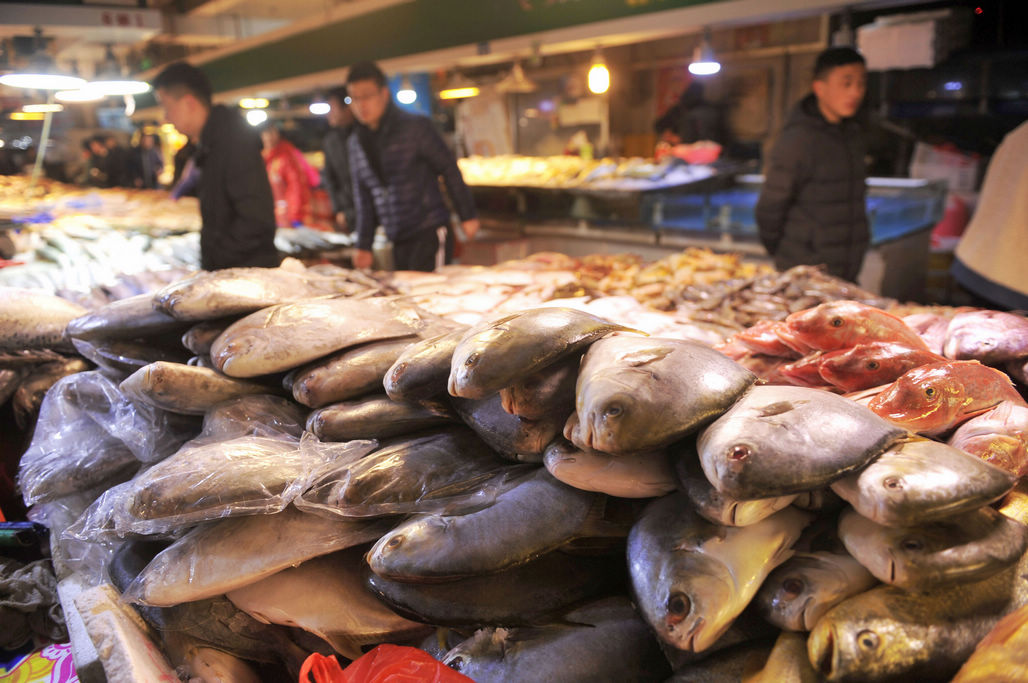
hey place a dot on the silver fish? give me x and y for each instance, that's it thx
(200, 337)
(32, 319)
(692, 578)
(639, 394)
(968, 547)
(778, 440)
(498, 353)
(540, 394)
(991, 337)
(185, 389)
(511, 436)
(920, 480)
(422, 370)
(125, 356)
(603, 641)
(129, 318)
(374, 417)
(804, 587)
(534, 517)
(639, 475)
(346, 375)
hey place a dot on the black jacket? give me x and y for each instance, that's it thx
(336, 174)
(235, 197)
(405, 197)
(812, 206)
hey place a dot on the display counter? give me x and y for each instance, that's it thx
(715, 211)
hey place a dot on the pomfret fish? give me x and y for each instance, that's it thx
(779, 440)
(692, 578)
(988, 336)
(374, 417)
(200, 337)
(513, 437)
(713, 505)
(641, 394)
(534, 517)
(932, 399)
(289, 335)
(326, 597)
(498, 353)
(998, 436)
(639, 475)
(237, 291)
(870, 365)
(969, 547)
(844, 324)
(804, 587)
(32, 319)
(603, 641)
(787, 662)
(185, 389)
(921, 480)
(346, 375)
(125, 356)
(540, 394)
(129, 318)
(537, 592)
(232, 553)
(422, 369)
(888, 633)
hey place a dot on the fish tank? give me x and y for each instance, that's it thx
(896, 207)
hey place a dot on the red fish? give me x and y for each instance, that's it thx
(763, 338)
(869, 365)
(989, 336)
(844, 324)
(805, 372)
(934, 398)
(998, 436)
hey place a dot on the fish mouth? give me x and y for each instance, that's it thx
(808, 623)
(825, 664)
(693, 634)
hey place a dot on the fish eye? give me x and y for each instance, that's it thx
(894, 483)
(836, 322)
(678, 607)
(912, 544)
(792, 586)
(872, 365)
(930, 392)
(613, 410)
(457, 663)
(395, 541)
(868, 640)
(739, 452)
(471, 360)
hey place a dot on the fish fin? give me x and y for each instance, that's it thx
(645, 356)
(597, 525)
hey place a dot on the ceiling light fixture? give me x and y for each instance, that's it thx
(458, 88)
(41, 73)
(406, 94)
(42, 108)
(109, 79)
(254, 103)
(516, 81)
(256, 117)
(703, 61)
(81, 95)
(599, 74)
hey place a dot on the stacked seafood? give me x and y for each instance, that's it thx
(367, 469)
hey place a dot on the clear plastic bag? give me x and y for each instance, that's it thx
(261, 415)
(441, 471)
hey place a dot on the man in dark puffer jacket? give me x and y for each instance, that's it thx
(812, 206)
(396, 160)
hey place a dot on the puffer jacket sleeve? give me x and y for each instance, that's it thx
(787, 168)
(248, 190)
(441, 160)
(363, 203)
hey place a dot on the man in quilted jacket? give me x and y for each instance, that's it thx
(396, 161)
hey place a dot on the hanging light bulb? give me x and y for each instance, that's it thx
(110, 81)
(256, 117)
(318, 105)
(703, 61)
(41, 73)
(406, 93)
(599, 74)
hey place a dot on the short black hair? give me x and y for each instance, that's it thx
(366, 71)
(833, 57)
(182, 77)
(339, 94)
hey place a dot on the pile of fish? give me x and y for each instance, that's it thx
(572, 499)
(743, 302)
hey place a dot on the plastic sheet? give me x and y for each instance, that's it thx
(443, 471)
(257, 415)
(89, 433)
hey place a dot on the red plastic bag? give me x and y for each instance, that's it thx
(385, 664)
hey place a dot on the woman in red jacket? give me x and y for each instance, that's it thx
(290, 186)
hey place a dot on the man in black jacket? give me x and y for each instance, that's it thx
(235, 198)
(396, 160)
(812, 206)
(336, 174)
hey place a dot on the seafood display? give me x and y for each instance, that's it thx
(576, 494)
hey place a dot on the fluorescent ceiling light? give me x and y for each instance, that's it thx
(42, 81)
(42, 108)
(80, 95)
(124, 87)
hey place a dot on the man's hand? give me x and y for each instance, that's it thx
(471, 227)
(362, 258)
(341, 222)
